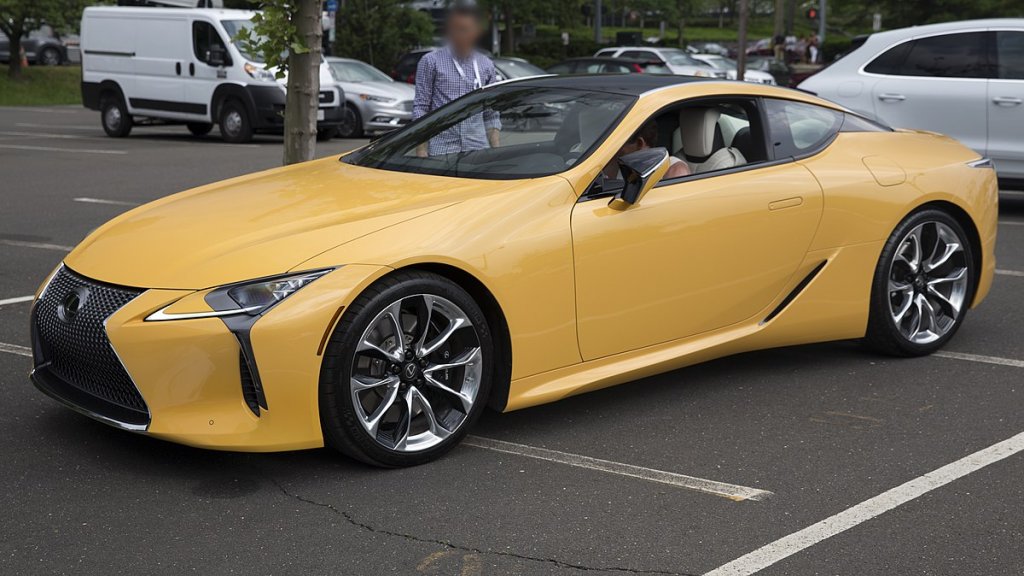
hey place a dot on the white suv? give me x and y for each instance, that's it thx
(963, 79)
(677, 61)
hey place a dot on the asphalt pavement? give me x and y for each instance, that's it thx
(863, 464)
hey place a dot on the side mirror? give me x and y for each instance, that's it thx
(641, 170)
(215, 55)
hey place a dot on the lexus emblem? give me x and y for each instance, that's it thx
(72, 303)
(410, 371)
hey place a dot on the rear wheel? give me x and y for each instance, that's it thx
(922, 287)
(199, 128)
(114, 116)
(235, 124)
(406, 372)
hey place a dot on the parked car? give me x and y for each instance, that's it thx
(405, 69)
(42, 46)
(777, 68)
(513, 68)
(730, 67)
(377, 302)
(601, 65)
(375, 102)
(707, 48)
(182, 66)
(963, 79)
(675, 60)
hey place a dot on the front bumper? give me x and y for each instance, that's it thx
(189, 375)
(378, 116)
(268, 108)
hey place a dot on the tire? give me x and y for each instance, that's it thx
(235, 124)
(199, 128)
(351, 124)
(370, 423)
(325, 134)
(50, 57)
(114, 116)
(931, 285)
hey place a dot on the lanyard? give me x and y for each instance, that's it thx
(476, 71)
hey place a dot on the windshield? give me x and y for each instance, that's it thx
(236, 30)
(500, 133)
(358, 72)
(516, 69)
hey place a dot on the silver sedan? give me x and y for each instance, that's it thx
(375, 102)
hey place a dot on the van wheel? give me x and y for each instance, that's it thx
(235, 125)
(199, 128)
(114, 116)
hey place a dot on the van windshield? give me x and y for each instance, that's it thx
(239, 30)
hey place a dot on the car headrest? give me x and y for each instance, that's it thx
(698, 126)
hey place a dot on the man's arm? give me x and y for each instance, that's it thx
(425, 73)
(492, 118)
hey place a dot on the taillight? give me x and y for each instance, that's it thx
(637, 68)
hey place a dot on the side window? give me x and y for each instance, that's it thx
(606, 52)
(962, 55)
(641, 55)
(797, 128)
(1010, 52)
(890, 61)
(560, 69)
(204, 39)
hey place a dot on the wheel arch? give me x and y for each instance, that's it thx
(111, 87)
(227, 91)
(495, 319)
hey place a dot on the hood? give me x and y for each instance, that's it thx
(257, 225)
(400, 91)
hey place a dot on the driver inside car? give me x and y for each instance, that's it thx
(646, 137)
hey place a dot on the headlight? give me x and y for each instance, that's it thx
(374, 98)
(259, 73)
(256, 297)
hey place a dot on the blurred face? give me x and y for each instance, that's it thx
(463, 32)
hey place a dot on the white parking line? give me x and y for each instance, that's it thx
(1009, 273)
(730, 491)
(1011, 222)
(42, 245)
(54, 149)
(17, 300)
(56, 126)
(50, 135)
(105, 201)
(15, 349)
(788, 545)
(52, 110)
(980, 358)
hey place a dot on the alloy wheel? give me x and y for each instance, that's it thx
(416, 373)
(928, 282)
(233, 123)
(113, 118)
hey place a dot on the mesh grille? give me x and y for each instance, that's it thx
(75, 343)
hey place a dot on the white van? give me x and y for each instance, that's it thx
(181, 65)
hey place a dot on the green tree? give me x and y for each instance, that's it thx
(380, 31)
(19, 17)
(286, 35)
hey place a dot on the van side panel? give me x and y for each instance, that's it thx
(108, 48)
(161, 57)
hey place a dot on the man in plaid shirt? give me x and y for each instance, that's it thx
(452, 72)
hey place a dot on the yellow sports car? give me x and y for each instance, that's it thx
(530, 241)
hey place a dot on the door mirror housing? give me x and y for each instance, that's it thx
(641, 171)
(215, 56)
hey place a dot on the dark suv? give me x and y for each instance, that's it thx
(42, 46)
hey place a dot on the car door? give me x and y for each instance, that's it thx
(696, 254)
(1006, 105)
(161, 42)
(203, 77)
(937, 83)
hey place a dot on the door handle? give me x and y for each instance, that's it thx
(785, 203)
(177, 68)
(191, 69)
(1007, 101)
(890, 97)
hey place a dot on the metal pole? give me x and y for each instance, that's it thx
(598, 16)
(741, 55)
(821, 23)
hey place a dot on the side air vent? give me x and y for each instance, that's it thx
(796, 292)
(248, 385)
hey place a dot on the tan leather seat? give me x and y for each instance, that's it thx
(701, 139)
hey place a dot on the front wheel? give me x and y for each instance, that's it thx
(50, 57)
(235, 124)
(406, 372)
(351, 123)
(922, 287)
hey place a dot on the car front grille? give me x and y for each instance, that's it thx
(72, 352)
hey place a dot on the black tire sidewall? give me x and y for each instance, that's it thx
(883, 334)
(126, 119)
(56, 60)
(199, 128)
(357, 124)
(339, 421)
(244, 132)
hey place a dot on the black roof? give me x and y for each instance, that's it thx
(626, 84)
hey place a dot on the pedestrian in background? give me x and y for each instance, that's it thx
(452, 72)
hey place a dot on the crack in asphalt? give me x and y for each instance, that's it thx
(560, 563)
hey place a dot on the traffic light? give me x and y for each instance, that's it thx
(812, 13)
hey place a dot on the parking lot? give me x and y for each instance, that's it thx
(682, 473)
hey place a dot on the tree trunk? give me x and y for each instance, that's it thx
(510, 35)
(741, 51)
(14, 60)
(780, 19)
(303, 86)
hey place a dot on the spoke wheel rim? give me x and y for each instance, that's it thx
(113, 118)
(233, 123)
(416, 373)
(927, 282)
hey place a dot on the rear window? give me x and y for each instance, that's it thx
(1010, 50)
(797, 128)
(961, 55)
